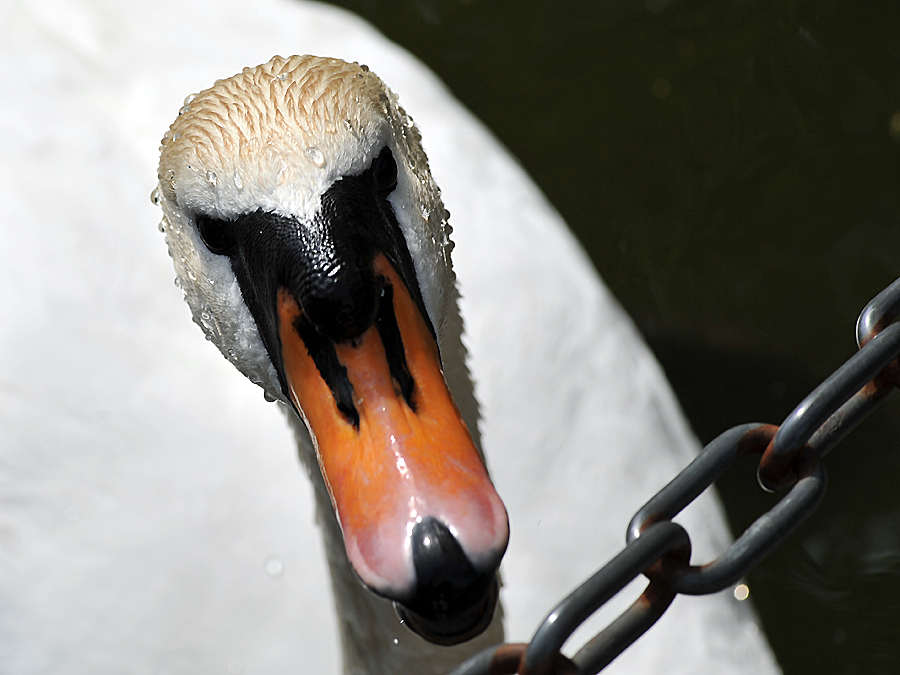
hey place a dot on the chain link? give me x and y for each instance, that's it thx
(660, 549)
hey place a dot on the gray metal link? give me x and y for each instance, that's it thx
(660, 549)
(825, 400)
(657, 541)
(760, 538)
(881, 310)
(706, 467)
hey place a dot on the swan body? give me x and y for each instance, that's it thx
(155, 516)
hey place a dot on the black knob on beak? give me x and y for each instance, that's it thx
(453, 600)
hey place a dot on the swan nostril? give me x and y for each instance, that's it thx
(453, 601)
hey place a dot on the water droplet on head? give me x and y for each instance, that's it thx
(316, 156)
(211, 177)
(269, 398)
(238, 182)
(154, 196)
(189, 98)
(162, 226)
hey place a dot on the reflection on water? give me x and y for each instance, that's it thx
(733, 171)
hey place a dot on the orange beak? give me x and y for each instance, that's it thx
(407, 460)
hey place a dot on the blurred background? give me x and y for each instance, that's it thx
(732, 168)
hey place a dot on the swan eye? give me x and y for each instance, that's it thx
(216, 234)
(384, 172)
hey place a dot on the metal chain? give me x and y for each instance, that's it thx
(660, 549)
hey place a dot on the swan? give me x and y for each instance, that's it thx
(155, 517)
(312, 247)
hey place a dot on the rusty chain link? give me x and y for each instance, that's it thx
(660, 549)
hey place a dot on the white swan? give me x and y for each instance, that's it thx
(154, 517)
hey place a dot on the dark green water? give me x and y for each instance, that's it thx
(733, 169)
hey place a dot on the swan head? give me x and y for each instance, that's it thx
(312, 247)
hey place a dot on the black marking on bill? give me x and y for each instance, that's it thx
(386, 323)
(324, 355)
